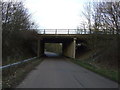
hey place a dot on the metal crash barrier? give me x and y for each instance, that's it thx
(13, 64)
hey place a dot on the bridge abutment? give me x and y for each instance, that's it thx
(69, 48)
(40, 48)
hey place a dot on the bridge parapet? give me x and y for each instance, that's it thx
(63, 31)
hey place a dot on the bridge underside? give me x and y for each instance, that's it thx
(68, 44)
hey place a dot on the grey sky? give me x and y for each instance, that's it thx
(56, 14)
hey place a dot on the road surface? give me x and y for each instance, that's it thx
(58, 72)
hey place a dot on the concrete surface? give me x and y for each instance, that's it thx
(58, 72)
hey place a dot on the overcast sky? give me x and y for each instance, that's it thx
(56, 14)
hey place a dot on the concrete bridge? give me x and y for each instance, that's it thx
(69, 38)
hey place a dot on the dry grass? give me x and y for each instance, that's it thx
(14, 75)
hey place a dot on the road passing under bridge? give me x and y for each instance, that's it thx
(58, 72)
(68, 41)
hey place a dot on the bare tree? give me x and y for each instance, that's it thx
(81, 29)
(96, 16)
(16, 25)
(107, 17)
(88, 14)
(103, 16)
(15, 16)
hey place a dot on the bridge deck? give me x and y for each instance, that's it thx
(64, 35)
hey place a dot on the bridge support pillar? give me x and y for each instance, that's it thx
(40, 48)
(69, 48)
(74, 47)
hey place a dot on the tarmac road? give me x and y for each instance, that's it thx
(58, 72)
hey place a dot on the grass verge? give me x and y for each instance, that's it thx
(11, 77)
(111, 74)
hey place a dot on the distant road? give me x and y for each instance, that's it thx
(58, 72)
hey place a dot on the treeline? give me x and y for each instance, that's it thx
(17, 37)
(102, 17)
(103, 23)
